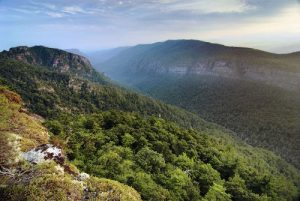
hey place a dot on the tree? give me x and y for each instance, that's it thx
(217, 193)
(150, 160)
(206, 176)
(55, 127)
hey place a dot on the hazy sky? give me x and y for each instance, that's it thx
(272, 25)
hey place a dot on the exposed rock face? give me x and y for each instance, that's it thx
(48, 152)
(280, 78)
(51, 58)
(44, 152)
(184, 57)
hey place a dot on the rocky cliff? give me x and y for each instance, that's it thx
(192, 57)
(55, 60)
(52, 58)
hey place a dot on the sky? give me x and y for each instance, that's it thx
(271, 25)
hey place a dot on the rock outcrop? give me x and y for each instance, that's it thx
(59, 60)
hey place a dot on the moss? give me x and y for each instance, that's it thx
(45, 187)
(105, 189)
(52, 187)
(6, 112)
(15, 120)
(46, 181)
(27, 144)
(9, 149)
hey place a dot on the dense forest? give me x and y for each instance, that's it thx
(163, 161)
(261, 115)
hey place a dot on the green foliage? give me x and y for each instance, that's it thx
(166, 162)
(217, 193)
(206, 176)
(260, 114)
(143, 182)
(150, 160)
(54, 127)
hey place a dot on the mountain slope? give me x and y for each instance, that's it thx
(254, 93)
(219, 168)
(21, 131)
(110, 132)
(49, 93)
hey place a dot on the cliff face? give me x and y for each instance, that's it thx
(190, 57)
(52, 58)
(227, 69)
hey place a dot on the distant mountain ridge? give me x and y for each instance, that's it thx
(192, 57)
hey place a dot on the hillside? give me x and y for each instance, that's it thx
(161, 151)
(48, 92)
(158, 158)
(21, 133)
(254, 93)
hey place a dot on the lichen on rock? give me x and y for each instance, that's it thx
(44, 152)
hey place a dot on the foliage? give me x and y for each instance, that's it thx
(166, 162)
(261, 115)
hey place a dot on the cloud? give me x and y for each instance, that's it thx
(142, 21)
(72, 9)
(75, 10)
(42, 5)
(208, 6)
(55, 14)
(26, 11)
